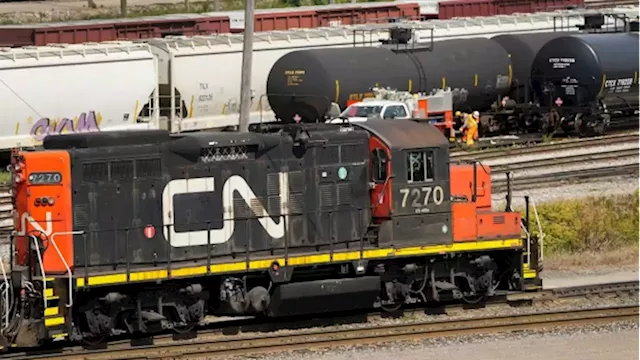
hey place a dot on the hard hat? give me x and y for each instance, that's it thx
(457, 113)
(476, 114)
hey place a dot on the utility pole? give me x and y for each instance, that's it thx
(247, 57)
(123, 8)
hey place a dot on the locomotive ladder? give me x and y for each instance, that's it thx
(528, 233)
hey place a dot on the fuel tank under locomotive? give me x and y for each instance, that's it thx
(305, 82)
(581, 70)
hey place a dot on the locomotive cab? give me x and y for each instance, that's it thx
(410, 182)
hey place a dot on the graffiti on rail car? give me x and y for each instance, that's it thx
(86, 122)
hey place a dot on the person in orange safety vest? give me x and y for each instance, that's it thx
(471, 126)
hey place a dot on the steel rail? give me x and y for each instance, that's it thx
(371, 335)
(528, 182)
(566, 160)
(494, 153)
(215, 344)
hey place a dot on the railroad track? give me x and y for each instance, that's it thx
(211, 344)
(566, 160)
(376, 335)
(556, 178)
(497, 153)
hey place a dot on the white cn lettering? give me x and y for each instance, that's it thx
(26, 217)
(235, 183)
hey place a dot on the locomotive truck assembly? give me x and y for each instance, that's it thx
(519, 83)
(140, 231)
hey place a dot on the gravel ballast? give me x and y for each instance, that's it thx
(616, 341)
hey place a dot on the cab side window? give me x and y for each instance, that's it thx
(379, 165)
(395, 111)
(420, 166)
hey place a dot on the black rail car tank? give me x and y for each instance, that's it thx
(305, 82)
(523, 49)
(579, 70)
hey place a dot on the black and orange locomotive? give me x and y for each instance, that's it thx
(136, 232)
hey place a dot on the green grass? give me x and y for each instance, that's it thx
(101, 12)
(591, 224)
(5, 177)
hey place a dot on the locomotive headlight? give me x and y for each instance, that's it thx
(445, 229)
(51, 201)
(37, 202)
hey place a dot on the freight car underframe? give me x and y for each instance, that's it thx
(177, 296)
(506, 116)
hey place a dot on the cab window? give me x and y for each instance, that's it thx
(420, 166)
(359, 110)
(379, 165)
(394, 111)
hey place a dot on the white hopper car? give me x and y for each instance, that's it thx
(130, 85)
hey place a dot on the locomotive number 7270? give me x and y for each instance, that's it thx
(421, 197)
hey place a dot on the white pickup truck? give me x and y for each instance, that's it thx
(385, 109)
(435, 108)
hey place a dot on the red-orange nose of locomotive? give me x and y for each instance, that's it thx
(41, 196)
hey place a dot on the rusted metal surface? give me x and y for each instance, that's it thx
(469, 8)
(74, 32)
(115, 29)
(595, 4)
(404, 134)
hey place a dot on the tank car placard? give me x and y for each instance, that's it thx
(618, 85)
(562, 62)
(294, 77)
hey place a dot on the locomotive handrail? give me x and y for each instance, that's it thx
(41, 263)
(524, 228)
(66, 265)
(541, 241)
(6, 292)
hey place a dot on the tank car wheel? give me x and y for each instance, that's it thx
(184, 329)
(601, 127)
(580, 126)
(550, 123)
(94, 341)
(474, 299)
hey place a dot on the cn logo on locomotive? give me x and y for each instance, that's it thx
(233, 184)
(27, 218)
